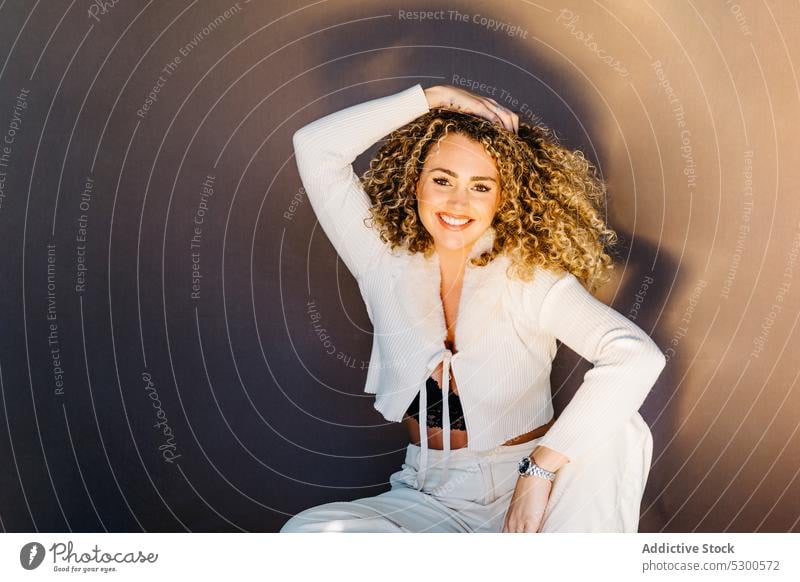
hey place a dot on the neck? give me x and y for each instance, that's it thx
(452, 263)
(455, 260)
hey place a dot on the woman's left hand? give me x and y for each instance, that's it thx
(528, 504)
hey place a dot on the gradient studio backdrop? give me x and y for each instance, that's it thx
(181, 349)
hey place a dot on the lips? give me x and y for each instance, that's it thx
(456, 221)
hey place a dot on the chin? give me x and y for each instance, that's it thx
(454, 243)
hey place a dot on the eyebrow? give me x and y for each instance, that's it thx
(452, 173)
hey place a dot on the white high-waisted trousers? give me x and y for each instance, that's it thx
(599, 492)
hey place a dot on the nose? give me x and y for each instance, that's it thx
(459, 198)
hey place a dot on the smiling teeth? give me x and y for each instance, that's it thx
(454, 221)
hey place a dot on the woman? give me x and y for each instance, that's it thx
(484, 234)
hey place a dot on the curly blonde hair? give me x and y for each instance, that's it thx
(550, 196)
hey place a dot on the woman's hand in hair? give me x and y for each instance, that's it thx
(458, 99)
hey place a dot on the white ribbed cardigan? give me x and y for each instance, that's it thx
(506, 329)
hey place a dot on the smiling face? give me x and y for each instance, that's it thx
(458, 193)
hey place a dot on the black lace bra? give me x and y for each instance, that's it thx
(436, 409)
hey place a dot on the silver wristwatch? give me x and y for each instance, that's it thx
(528, 467)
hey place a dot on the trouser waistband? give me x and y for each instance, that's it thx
(464, 454)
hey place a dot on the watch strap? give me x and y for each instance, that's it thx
(528, 467)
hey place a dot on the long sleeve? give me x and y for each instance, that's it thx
(325, 150)
(626, 365)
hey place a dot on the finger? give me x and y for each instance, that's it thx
(489, 113)
(504, 113)
(501, 112)
(507, 521)
(484, 108)
(513, 117)
(507, 119)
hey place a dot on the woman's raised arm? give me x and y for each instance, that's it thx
(325, 150)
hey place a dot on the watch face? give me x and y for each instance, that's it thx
(524, 464)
